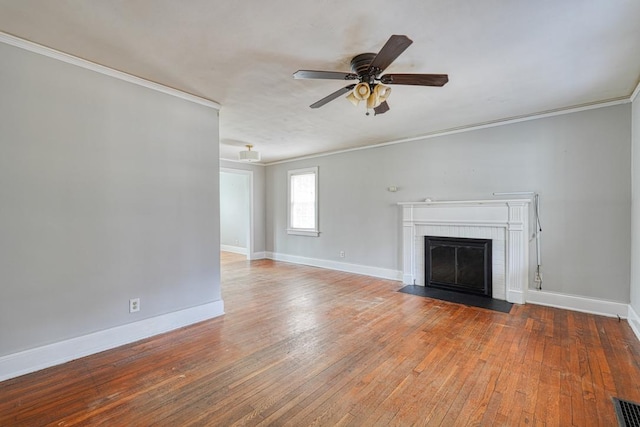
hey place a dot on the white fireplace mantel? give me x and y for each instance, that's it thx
(505, 222)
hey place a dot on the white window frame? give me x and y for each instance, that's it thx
(313, 232)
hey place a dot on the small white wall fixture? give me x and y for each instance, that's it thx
(505, 222)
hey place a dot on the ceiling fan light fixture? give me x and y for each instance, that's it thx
(378, 95)
(362, 91)
(248, 155)
(352, 98)
(367, 68)
(382, 92)
(372, 101)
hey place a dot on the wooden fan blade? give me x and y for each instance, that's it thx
(328, 75)
(415, 79)
(389, 52)
(333, 96)
(381, 109)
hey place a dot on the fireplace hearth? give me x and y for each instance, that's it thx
(458, 264)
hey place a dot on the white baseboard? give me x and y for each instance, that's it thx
(516, 297)
(634, 321)
(383, 273)
(258, 255)
(234, 249)
(24, 362)
(577, 303)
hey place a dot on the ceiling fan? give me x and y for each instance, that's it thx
(367, 69)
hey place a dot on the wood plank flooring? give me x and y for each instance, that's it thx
(302, 346)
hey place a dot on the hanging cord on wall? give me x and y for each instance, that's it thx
(536, 207)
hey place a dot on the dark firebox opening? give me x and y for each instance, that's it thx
(458, 264)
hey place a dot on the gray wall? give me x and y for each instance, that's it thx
(635, 212)
(259, 201)
(234, 209)
(108, 191)
(579, 163)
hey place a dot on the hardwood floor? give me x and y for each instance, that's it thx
(304, 346)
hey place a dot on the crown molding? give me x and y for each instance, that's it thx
(83, 63)
(462, 129)
(634, 95)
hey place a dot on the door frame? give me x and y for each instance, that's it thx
(250, 225)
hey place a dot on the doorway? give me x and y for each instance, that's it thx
(236, 211)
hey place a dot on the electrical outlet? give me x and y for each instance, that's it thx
(537, 278)
(134, 305)
(341, 254)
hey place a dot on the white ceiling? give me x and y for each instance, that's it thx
(504, 58)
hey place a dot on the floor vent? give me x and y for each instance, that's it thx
(628, 413)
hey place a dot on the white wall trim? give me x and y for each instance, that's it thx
(462, 129)
(24, 362)
(234, 249)
(258, 255)
(74, 60)
(578, 303)
(243, 163)
(634, 95)
(383, 273)
(634, 321)
(533, 296)
(250, 225)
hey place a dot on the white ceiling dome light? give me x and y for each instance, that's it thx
(248, 155)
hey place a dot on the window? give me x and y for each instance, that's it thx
(303, 202)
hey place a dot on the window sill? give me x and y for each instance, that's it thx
(310, 233)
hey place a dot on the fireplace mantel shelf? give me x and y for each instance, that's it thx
(465, 202)
(505, 221)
